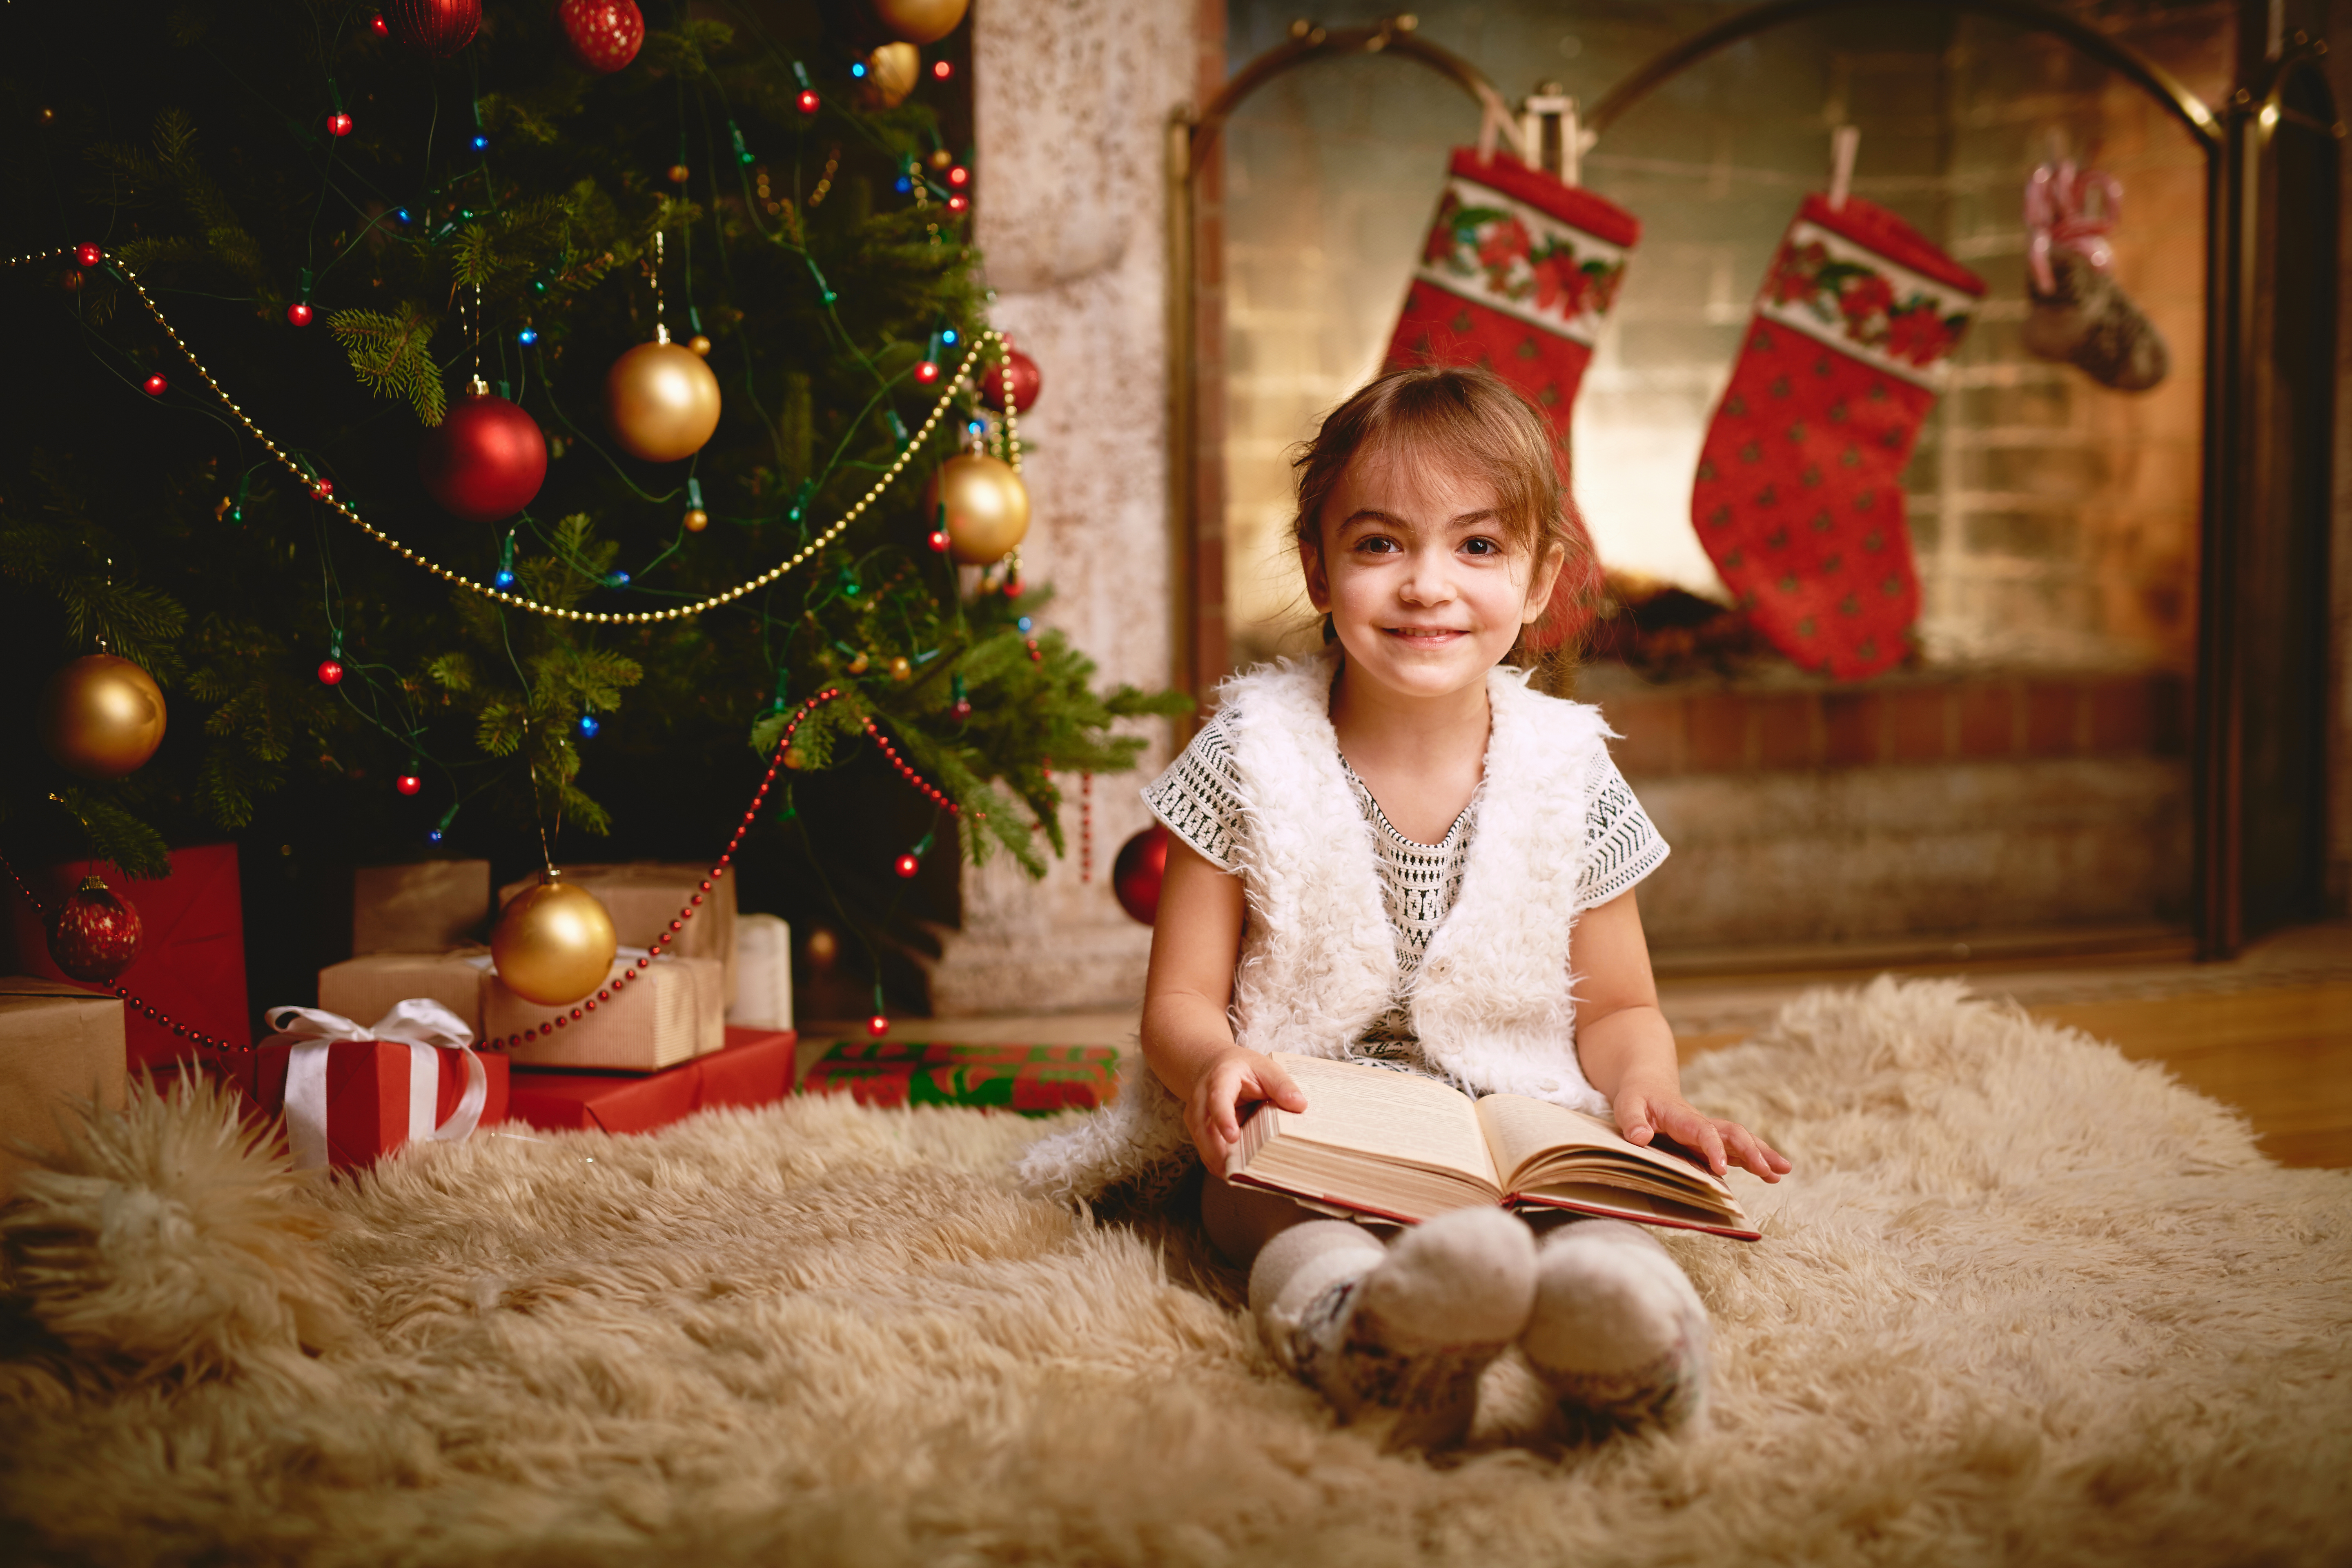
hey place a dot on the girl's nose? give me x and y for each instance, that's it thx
(1431, 581)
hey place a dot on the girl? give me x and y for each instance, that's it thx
(1381, 855)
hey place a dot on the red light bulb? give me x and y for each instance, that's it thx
(338, 124)
(957, 204)
(939, 540)
(941, 70)
(877, 1026)
(926, 372)
(906, 865)
(299, 312)
(379, 27)
(1012, 587)
(154, 386)
(961, 707)
(808, 101)
(87, 254)
(958, 176)
(408, 784)
(330, 673)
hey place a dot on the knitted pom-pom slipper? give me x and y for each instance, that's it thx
(1617, 1333)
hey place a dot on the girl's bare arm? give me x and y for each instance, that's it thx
(1628, 1049)
(1187, 1038)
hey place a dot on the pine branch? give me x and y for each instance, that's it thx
(393, 356)
(116, 835)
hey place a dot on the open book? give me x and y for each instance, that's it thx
(1403, 1147)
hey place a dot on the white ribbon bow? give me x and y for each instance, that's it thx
(421, 1023)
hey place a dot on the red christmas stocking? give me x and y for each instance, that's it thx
(1798, 498)
(1517, 272)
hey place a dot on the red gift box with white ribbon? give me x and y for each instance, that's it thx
(352, 1094)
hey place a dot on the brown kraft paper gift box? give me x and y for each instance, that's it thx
(643, 895)
(364, 989)
(58, 1043)
(672, 1012)
(423, 908)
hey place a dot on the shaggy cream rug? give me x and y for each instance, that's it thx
(2022, 1302)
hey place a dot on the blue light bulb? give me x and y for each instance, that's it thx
(528, 336)
(1025, 624)
(481, 142)
(588, 726)
(616, 579)
(505, 579)
(976, 428)
(858, 67)
(904, 185)
(433, 836)
(949, 337)
(400, 214)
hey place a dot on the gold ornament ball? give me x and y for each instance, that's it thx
(987, 507)
(793, 760)
(921, 21)
(102, 717)
(698, 345)
(696, 519)
(891, 73)
(662, 402)
(553, 944)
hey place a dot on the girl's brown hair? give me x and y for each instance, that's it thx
(1478, 421)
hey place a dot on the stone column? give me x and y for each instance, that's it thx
(1072, 99)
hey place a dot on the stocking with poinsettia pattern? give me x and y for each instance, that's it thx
(1518, 271)
(1798, 497)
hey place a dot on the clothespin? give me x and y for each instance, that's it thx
(1844, 142)
(1548, 129)
(1495, 123)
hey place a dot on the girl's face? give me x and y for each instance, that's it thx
(1419, 575)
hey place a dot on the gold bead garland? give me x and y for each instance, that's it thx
(516, 601)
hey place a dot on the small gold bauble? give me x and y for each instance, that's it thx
(698, 345)
(921, 21)
(102, 717)
(793, 760)
(901, 669)
(662, 402)
(987, 507)
(679, 174)
(696, 519)
(891, 73)
(553, 944)
(860, 665)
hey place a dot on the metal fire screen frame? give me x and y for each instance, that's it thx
(2235, 141)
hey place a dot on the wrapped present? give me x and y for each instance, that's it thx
(63, 1043)
(352, 1093)
(191, 963)
(369, 986)
(431, 905)
(672, 1012)
(754, 1068)
(644, 896)
(1033, 1079)
(764, 974)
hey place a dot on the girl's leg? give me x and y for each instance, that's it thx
(1398, 1334)
(1617, 1332)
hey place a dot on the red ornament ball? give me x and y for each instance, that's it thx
(877, 1026)
(156, 386)
(331, 672)
(604, 34)
(1136, 874)
(323, 488)
(485, 461)
(408, 784)
(338, 124)
(907, 866)
(95, 936)
(300, 313)
(433, 28)
(87, 254)
(1028, 381)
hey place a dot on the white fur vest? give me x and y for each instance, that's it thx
(1492, 1002)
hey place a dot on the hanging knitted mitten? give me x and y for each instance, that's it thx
(2080, 314)
(1617, 1333)
(1517, 273)
(1397, 1336)
(1798, 498)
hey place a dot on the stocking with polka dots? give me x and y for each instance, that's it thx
(1517, 273)
(1799, 496)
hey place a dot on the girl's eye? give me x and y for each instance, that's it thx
(1376, 545)
(1482, 547)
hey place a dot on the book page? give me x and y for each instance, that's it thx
(1523, 1131)
(1393, 1116)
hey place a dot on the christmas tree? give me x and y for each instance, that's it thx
(368, 368)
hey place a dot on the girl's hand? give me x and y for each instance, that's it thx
(1642, 1113)
(1233, 1076)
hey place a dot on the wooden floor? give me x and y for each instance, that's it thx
(2269, 1032)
